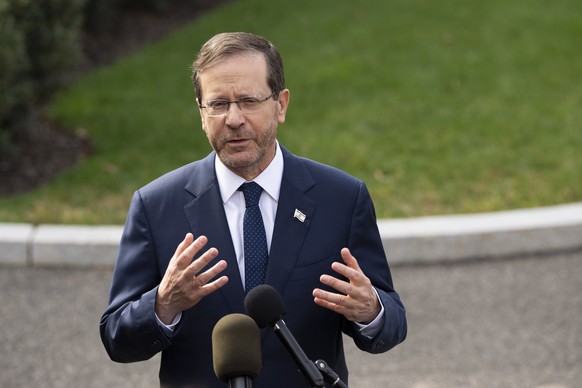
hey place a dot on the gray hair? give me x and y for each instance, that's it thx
(226, 44)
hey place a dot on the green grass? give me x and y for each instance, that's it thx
(440, 107)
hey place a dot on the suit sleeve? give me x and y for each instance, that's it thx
(365, 244)
(129, 329)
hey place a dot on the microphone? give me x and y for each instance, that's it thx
(264, 304)
(236, 350)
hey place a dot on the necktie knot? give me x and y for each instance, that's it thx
(252, 192)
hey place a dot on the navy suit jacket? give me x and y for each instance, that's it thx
(339, 214)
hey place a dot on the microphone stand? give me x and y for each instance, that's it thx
(306, 367)
(329, 374)
(240, 382)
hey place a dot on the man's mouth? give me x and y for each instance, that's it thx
(237, 141)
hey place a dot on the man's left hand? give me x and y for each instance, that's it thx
(356, 299)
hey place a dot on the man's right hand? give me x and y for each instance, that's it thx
(183, 285)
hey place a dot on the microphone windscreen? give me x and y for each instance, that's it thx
(264, 304)
(236, 347)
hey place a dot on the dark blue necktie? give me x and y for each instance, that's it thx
(255, 240)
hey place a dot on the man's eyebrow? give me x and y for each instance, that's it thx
(237, 97)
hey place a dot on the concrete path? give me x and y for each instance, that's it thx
(487, 323)
(493, 300)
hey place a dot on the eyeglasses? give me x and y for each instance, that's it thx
(218, 108)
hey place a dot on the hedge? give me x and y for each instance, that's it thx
(41, 44)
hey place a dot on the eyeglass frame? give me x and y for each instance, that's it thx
(237, 102)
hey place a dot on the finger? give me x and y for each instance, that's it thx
(185, 258)
(345, 305)
(206, 276)
(207, 289)
(212, 286)
(336, 302)
(330, 305)
(337, 284)
(355, 286)
(331, 297)
(351, 269)
(351, 274)
(349, 259)
(200, 263)
(182, 246)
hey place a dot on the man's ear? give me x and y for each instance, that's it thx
(284, 96)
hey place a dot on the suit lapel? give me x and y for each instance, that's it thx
(289, 231)
(206, 216)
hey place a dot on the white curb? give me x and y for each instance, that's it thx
(14, 242)
(496, 234)
(410, 240)
(76, 245)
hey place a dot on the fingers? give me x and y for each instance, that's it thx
(344, 298)
(204, 289)
(186, 281)
(340, 303)
(186, 242)
(350, 261)
(187, 249)
(202, 279)
(355, 297)
(201, 284)
(197, 265)
(356, 303)
(351, 271)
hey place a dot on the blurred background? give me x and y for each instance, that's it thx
(440, 107)
(447, 107)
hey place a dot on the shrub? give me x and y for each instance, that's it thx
(14, 64)
(99, 15)
(40, 45)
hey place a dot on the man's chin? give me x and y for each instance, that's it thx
(236, 160)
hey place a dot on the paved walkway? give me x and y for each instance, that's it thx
(488, 323)
(493, 300)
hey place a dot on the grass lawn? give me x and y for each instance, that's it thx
(440, 107)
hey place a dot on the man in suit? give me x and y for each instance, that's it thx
(181, 264)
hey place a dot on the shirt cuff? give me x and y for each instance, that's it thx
(169, 329)
(371, 329)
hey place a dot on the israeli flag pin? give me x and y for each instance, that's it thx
(299, 215)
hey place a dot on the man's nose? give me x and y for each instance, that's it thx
(234, 116)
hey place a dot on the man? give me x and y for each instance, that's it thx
(325, 256)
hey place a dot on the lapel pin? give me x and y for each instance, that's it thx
(299, 215)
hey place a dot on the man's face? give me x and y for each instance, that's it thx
(244, 142)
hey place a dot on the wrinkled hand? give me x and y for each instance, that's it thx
(183, 285)
(356, 300)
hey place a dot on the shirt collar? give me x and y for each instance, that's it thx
(269, 179)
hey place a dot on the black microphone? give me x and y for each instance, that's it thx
(236, 350)
(264, 304)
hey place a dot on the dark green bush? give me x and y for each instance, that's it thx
(100, 15)
(40, 44)
(15, 86)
